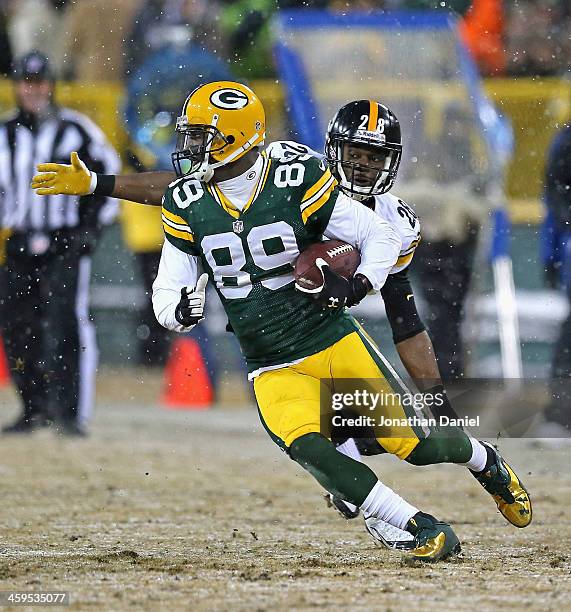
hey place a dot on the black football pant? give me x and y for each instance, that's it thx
(154, 340)
(49, 340)
(443, 271)
(559, 408)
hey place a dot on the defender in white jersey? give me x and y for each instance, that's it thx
(389, 207)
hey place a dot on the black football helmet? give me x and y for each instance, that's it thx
(34, 66)
(371, 126)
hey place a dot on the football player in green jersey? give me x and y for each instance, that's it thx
(363, 148)
(240, 218)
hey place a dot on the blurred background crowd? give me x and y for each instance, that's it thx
(519, 38)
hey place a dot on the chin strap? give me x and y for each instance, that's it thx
(205, 171)
(248, 145)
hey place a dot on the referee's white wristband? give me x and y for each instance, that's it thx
(93, 183)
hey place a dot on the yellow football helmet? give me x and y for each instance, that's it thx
(220, 122)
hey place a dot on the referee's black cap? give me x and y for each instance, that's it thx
(33, 66)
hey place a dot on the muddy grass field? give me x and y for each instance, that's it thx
(163, 510)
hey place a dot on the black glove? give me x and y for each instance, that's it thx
(336, 291)
(552, 275)
(190, 309)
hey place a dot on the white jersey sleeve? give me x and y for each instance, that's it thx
(404, 220)
(376, 240)
(286, 150)
(176, 270)
(388, 207)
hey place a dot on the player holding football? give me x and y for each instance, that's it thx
(243, 217)
(363, 149)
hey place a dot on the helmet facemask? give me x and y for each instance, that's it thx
(194, 147)
(361, 181)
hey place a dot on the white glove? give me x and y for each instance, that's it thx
(190, 309)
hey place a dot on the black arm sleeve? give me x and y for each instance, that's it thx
(401, 308)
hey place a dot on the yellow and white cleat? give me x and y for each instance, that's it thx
(509, 493)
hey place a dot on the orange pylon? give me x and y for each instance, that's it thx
(4, 371)
(187, 384)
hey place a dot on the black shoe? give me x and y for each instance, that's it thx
(70, 429)
(26, 425)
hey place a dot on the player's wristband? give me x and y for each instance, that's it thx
(104, 184)
(360, 286)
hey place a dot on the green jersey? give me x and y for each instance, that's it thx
(250, 256)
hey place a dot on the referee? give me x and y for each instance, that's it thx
(558, 200)
(44, 283)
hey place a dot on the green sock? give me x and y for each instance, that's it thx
(443, 445)
(340, 475)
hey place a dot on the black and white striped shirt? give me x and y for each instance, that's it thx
(24, 143)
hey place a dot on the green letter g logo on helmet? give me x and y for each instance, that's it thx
(230, 99)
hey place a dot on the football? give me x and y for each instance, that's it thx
(343, 259)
